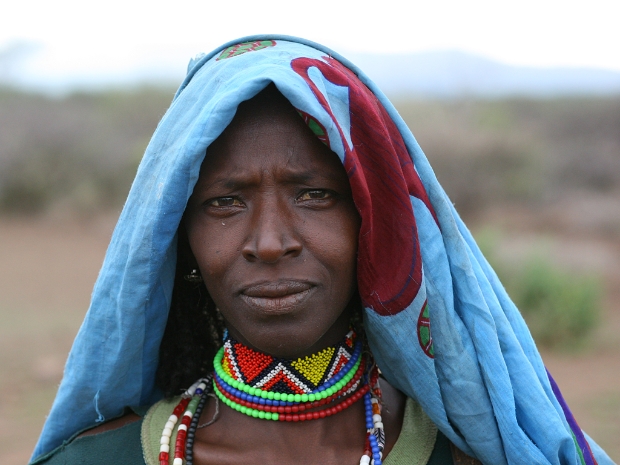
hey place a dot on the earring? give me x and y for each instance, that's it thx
(193, 277)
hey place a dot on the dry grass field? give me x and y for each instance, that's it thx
(47, 271)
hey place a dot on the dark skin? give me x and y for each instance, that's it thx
(273, 229)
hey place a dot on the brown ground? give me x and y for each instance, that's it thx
(48, 267)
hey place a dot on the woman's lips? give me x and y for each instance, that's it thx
(276, 297)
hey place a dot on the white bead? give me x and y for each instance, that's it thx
(177, 461)
(164, 448)
(376, 418)
(379, 425)
(193, 387)
(182, 427)
(169, 425)
(188, 414)
(173, 418)
(167, 431)
(365, 460)
(374, 400)
(165, 440)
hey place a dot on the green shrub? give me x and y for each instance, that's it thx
(561, 307)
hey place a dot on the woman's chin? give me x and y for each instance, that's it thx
(292, 336)
(281, 342)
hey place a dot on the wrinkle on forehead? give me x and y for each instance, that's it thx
(268, 113)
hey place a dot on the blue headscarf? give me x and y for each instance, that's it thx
(439, 323)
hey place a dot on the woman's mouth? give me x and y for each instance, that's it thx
(277, 297)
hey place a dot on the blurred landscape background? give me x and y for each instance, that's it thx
(535, 175)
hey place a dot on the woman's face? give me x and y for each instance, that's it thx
(273, 228)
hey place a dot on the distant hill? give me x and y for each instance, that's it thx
(448, 74)
(437, 74)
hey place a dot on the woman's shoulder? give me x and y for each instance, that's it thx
(116, 441)
(421, 442)
(132, 439)
(417, 440)
(152, 426)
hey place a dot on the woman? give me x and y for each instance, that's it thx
(286, 247)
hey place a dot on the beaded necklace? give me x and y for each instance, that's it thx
(187, 408)
(270, 388)
(300, 376)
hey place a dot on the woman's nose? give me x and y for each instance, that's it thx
(272, 235)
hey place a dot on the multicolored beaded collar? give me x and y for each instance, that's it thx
(266, 387)
(300, 376)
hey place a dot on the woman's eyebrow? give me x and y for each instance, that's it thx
(313, 179)
(309, 175)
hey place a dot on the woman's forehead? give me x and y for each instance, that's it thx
(265, 127)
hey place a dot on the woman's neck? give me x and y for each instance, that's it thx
(285, 342)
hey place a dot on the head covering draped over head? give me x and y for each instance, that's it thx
(438, 321)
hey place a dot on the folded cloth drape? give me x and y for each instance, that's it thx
(440, 324)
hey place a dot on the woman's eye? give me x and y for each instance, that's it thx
(316, 194)
(225, 202)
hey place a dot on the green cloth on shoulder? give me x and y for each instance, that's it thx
(152, 427)
(416, 440)
(120, 446)
(419, 442)
(137, 443)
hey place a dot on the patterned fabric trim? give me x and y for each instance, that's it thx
(425, 337)
(240, 49)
